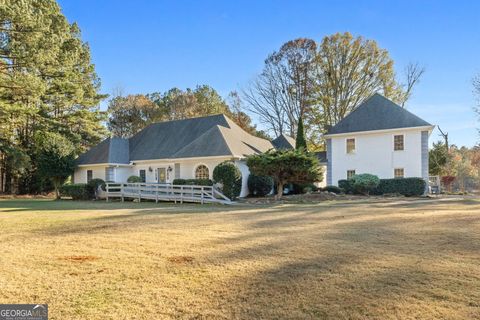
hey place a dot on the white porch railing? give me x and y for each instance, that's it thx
(165, 192)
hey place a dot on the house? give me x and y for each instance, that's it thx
(164, 151)
(378, 137)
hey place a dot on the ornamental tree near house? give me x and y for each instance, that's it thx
(55, 158)
(286, 166)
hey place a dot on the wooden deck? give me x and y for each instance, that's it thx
(165, 192)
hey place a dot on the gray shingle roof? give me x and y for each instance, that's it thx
(377, 113)
(284, 142)
(110, 150)
(197, 137)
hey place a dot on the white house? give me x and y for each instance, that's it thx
(378, 137)
(187, 149)
(381, 138)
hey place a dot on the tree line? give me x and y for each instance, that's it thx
(49, 93)
(131, 113)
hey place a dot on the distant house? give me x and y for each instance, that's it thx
(164, 151)
(381, 138)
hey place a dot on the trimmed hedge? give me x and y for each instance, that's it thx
(93, 185)
(405, 186)
(346, 186)
(364, 183)
(77, 191)
(302, 188)
(193, 182)
(230, 177)
(334, 189)
(134, 179)
(259, 185)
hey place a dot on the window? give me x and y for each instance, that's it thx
(109, 174)
(399, 173)
(202, 172)
(350, 173)
(89, 175)
(141, 174)
(398, 142)
(351, 145)
(177, 170)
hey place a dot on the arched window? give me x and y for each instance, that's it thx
(202, 172)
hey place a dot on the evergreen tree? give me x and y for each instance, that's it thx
(300, 142)
(47, 84)
(55, 158)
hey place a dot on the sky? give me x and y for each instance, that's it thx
(146, 46)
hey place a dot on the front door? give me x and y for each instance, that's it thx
(162, 175)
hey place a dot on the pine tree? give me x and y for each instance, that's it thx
(47, 84)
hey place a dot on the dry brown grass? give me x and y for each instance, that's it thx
(334, 260)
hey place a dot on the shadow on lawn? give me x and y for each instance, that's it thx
(350, 267)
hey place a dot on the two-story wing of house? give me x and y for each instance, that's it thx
(381, 138)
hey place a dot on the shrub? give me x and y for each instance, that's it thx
(260, 185)
(77, 191)
(364, 183)
(286, 166)
(193, 182)
(134, 179)
(230, 177)
(334, 189)
(301, 188)
(404, 186)
(93, 185)
(346, 185)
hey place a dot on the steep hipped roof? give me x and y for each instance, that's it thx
(284, 142)
(377, 113)
(197, 137)
(111, 150)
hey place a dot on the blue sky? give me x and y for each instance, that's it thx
(145, 46)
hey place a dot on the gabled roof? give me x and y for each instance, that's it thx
(284, 142)
(110, 150)
(377, 113)
(207, 136)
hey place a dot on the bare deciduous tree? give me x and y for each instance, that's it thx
(413, 73)
(283, 91)
(323, 83)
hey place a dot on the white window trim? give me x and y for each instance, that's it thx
(354, 170)
(393, 142)
(398, 169)
(141, 175)
(114, 173)
(346, 145)
(201, 164)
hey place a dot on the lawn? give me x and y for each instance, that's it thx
(333, 260)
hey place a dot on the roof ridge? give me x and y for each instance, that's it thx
(215, 127)
(377, 113)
